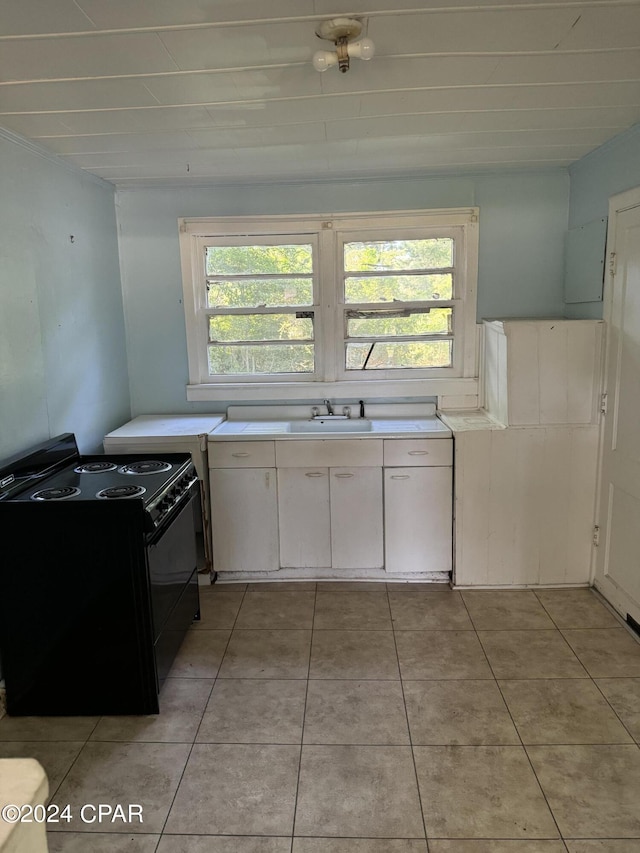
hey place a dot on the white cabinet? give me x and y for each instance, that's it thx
(418, 495)
(244, 509)
(330, 503)
(418, 519)
(356, 518)
(304, 518)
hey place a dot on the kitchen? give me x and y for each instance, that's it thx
(91, 273)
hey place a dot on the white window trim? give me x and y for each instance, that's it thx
(459, 380)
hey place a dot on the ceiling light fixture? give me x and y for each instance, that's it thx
(342, 32)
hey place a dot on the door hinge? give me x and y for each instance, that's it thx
(604, 404)
(613, 258)
(596, 535)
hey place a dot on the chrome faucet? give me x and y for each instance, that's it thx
(329, 406)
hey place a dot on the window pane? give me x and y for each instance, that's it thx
(388, 355)
(435, 322)
(406, 288)
(296, 358)
(398, 255)
(248, 293)
(260, 327)
(252, 260)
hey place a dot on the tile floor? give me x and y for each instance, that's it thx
(364, 718)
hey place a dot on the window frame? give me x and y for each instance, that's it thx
(327, 233)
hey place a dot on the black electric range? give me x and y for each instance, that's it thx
(98, 579)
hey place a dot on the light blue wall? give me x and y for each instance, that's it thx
(610, 169)
(522, 223)
(62, 342)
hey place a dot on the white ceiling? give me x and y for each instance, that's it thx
(193, 91)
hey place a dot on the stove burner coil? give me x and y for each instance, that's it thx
(147, 466)
(95, 467)
(114, 492)
(56, 494)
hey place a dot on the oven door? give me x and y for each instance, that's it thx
(173, 581)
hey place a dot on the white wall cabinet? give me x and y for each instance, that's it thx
(244, 509)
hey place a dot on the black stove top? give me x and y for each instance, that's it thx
(106, 478)
(55, 473)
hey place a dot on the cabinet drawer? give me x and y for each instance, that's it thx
(241, 454)
(333, 453)
(422, 452)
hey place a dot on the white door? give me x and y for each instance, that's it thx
(417, 513)
(303, 513)
(356, 518)
(244, 514)
(618, 556)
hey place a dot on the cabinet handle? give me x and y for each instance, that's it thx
(237, 455)
(400, 477)
(418, 453)
(344, 475)
(314, 474)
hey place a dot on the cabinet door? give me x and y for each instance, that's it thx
(304, 522)
(244, 519)
(356, 518)
(418, 519)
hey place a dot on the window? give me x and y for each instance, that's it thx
(355, 300)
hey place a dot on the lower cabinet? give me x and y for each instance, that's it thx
(330, 518)
(336, 505)
(418, 519)
(244, 512)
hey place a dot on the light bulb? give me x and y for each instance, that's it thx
(363, 49)
(367, 48)
(323, 59)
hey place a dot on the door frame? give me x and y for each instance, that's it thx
(618, 203)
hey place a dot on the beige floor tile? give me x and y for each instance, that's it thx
(182, 703)
(358, 791)
(112, 842)
(47, 728)
(530, 654)
(200, 654)
(219, 606)
(441, 654)
(562, 711)
(254, 711)
(56, 758)
(611, 845)
(358, 712)
(606, 652)
(506, 610)
(354, 655)
(358, 611)
(359, 845)
(481, 792)
(623, 695)
(281, 586)
(350, 586)
(593, 791)
(496, 846)
(458, 712)
(277, 609)
(418, 589)
(267, 654)
(222, 844)
(430, 611)
(576, 608)
(236, 789)
(124, 773)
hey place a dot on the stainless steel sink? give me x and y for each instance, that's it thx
(321, 425)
